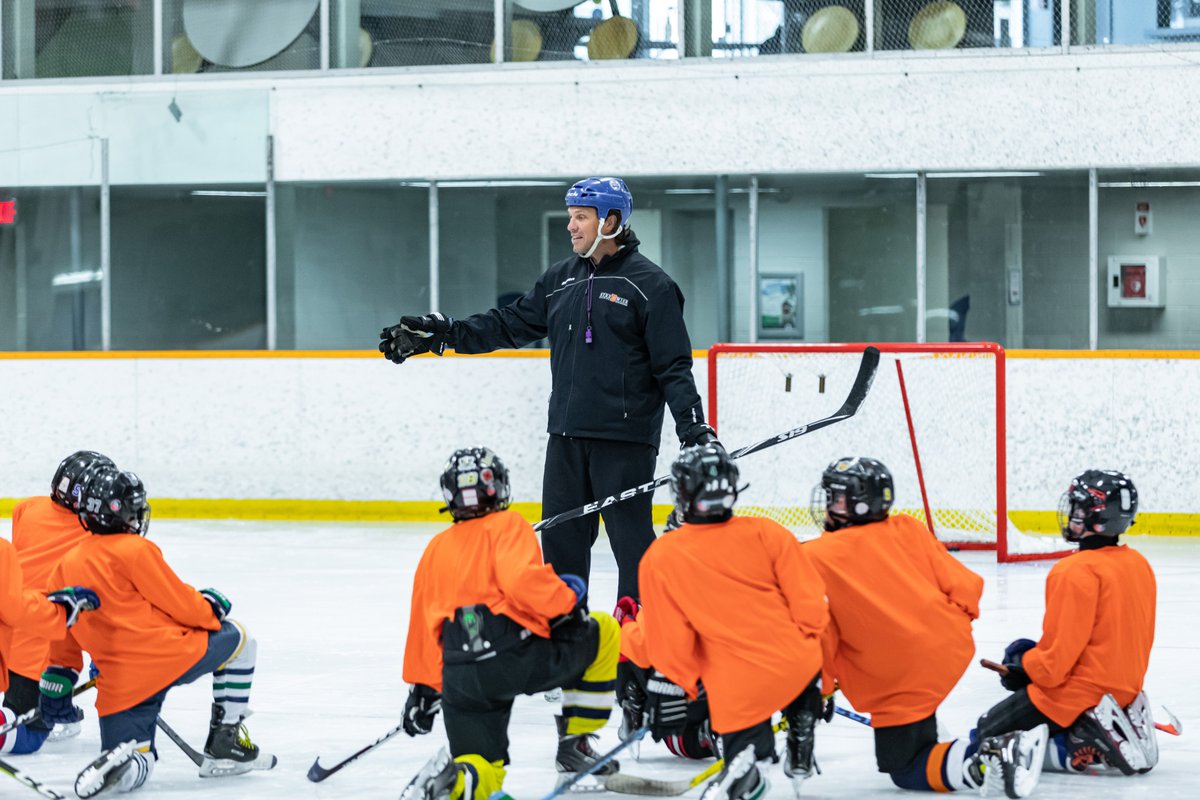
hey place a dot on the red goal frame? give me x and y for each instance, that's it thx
(999, 388)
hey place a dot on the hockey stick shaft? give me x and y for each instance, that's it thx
(23, 778)
(34, 714)
(858, 393)
(852, 715)
(195, 756)
(1175, 728)
(317, 773)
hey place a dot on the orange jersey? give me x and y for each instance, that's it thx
(738, 605)
(1097, 633)
(151, 627)
(494, 560)
(42, 532)
(633, 642)
(902, 609)
(23, 609)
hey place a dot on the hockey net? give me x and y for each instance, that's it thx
(934, 416)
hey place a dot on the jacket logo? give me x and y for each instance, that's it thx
(614, 298)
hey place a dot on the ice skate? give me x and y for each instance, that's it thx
(435, 780)
(740, 780)
(1010, 763)
(107, 772)
(576, 755)
(229, 750)
(64, 730)
(799, 763)
(1115, 737)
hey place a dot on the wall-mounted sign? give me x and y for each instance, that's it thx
(1143, 223)
(781, 306)
(8, 212)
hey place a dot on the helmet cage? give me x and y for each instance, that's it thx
(475, 483)
(704, 481)
(853, 491)
(1102, 502)
(112, 501)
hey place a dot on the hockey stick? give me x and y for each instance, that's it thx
(196, 757)
(317, 773)
(625, 783)
(37, 786)
(858, 393)
(852, 715)
(602, 761)
(1175, 727)
(34, 714)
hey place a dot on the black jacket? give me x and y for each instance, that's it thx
(639, 357)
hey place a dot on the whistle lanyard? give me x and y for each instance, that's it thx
(587, 334)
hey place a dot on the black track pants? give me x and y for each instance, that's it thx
(580, 471)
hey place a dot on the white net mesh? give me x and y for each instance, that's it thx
(952, 399)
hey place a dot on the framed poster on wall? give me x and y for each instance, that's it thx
(781, 305)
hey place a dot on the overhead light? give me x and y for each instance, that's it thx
(983, 175)
(688, 191)
(873, 311)
(225, 193)
(482, 184)
(76, 278)
(935, 175)
(1146, 184)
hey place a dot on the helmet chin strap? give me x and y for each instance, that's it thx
(601, 237)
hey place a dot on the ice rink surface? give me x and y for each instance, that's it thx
(329, 606)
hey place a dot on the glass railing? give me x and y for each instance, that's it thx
(89, 38)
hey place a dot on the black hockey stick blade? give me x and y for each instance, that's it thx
(317, 773)
(195, 756)
(858, 393)
(23, 778)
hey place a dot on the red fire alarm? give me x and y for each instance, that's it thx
(8, 212)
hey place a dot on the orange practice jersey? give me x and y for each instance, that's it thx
(43, 532)
(494, 560)
(633, 642)
(1097, 633)
(902, 609)
(22, 609)
(151, 627)
(738, 605)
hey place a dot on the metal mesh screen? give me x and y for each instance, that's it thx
(77, 38)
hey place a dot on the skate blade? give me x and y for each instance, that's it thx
(64, 731)
(588, 785)
(224, 767)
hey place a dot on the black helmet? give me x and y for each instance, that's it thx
(1101, 501)
(112, 501)
(704, 480)
(474, 483)
(70, 475)
(853, 491)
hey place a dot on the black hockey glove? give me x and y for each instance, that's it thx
(427, 334)
(666, 707)
(1016, 678)
(421, 709)
(74, 600)
(699, 433)
(219, 602)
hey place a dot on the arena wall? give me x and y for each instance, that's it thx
(346, 435)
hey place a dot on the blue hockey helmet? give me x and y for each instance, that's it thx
(606, 195)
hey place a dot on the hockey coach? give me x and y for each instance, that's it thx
(619, 353)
